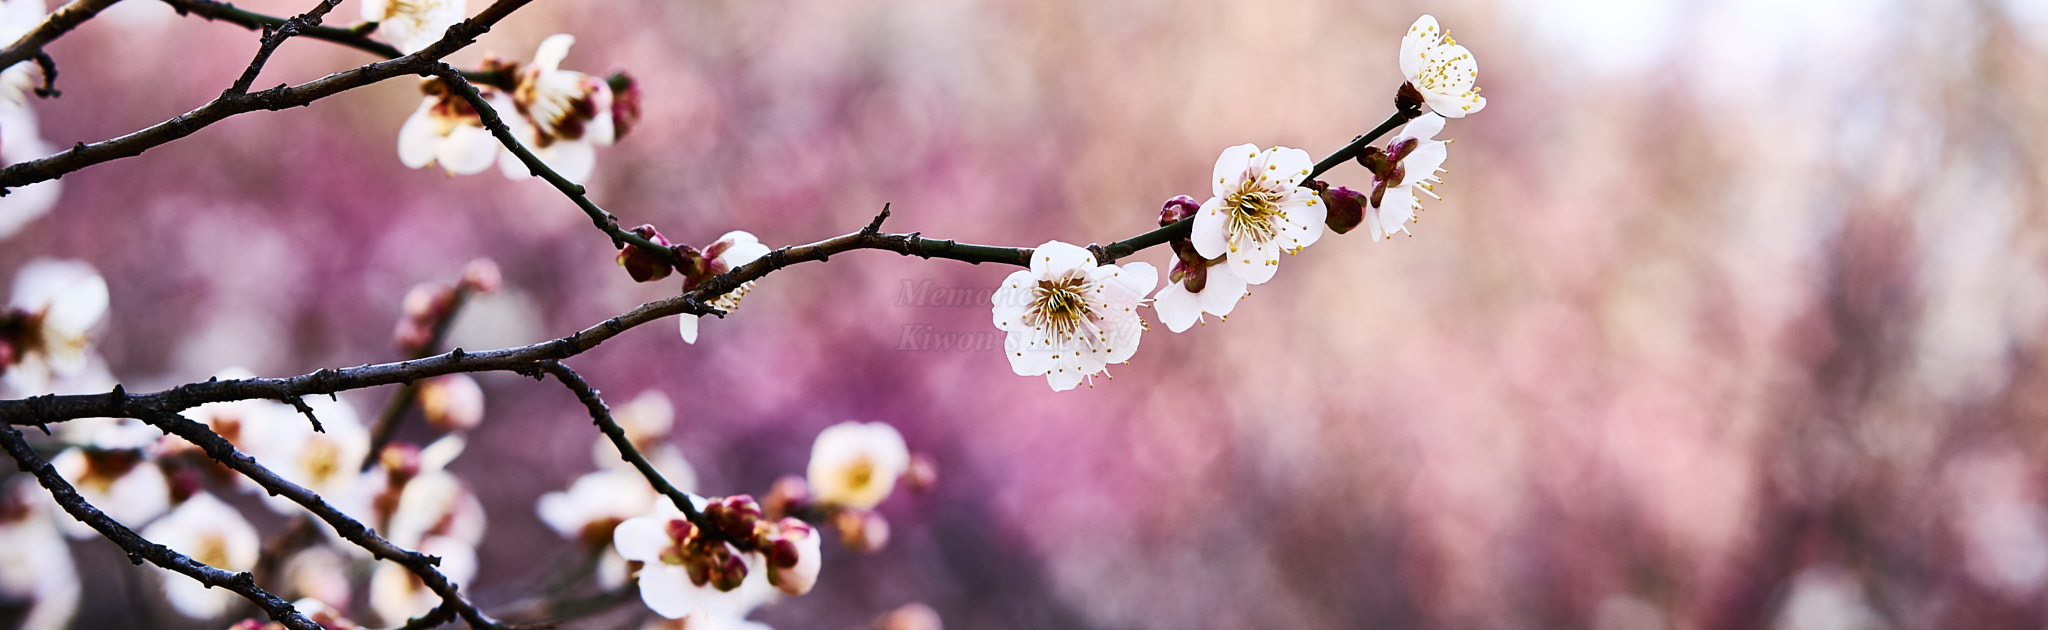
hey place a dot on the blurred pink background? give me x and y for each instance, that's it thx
(1731, 316)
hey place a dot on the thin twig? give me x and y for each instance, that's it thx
(602, 417)
(59, 22)
(386, 424)
(274, 37)
(139, 548)
(420, 63)
(356, 37)
(223, 451)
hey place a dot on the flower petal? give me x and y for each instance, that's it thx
(467, 150)
(1207, 232)
(1178, 308)
(1255, 261)
(1054, 258)
(1026, 358)
(1230, 168)
(1292, 165)
(1421, 37)
(642, 538)
(548, 57)
(416, 138)
(1397, 207)
(1012, 299)
(1222, 292)
(687, 323)
(1424, 127)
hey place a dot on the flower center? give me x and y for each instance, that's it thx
(211, 549)
(1252, 213)
(858, 474)
(1061, 308)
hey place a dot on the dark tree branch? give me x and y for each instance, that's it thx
(356, 37)
(61, 21)
(422, 63)
(601, 415)
(223, 451)
(274, 37)
(394, 409)
(139, 548)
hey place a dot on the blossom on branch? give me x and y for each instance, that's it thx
(855, 465)
(447, 130)
(46, 329)
(20, 141)
(688, 575)
(1440, 70)
(732, 250)
(38, 580)
(564, 115)
(1191, 288)
(211, 532)
(1068, 318)
(1412, 159)
(1260, 209)
(410, 25)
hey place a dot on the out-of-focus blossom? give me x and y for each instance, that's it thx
(421, 499)
(325, 461)
(47, 326)
(647, 420)
(625, 102)
(120, 482)
(267, 430)
(662, 542)
(21, 141)
(736, 248)
(861, 531)
(855, 465)
(1069, 318)
(1827, 598)
(1412, 159)
(452, 402)
(36, 571)
(397, 594)
(410, 25)
(793, 552)
(446, 130)
(1260, 209)
(318, 574)
(912, 616)
(564, 114)
(1440, 69)
(211, 532)
(595, 504)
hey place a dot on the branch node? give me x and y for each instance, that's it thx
(875, 227)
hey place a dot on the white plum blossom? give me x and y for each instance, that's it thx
(452, 402)
(1067, 317)
(855, 465)
(433, 502)
(211, 532)
(564, 114)
(324, 461)
(1260, 209)
(121, 482)
(1179, 307)
(647, 420)
(736, 248)
(805, 544)
(1418, 156)
(410, 25)
(446, 130)
(37, 577)
(46, 330)
(1440, 69)
(397, 594)
(665, 586)
(21, 141)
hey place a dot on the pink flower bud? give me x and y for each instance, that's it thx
(1178, 208)
(452, 402)
(735, 516)
(1346, 208)
(788, 496)
(642, 264)
(482, 276)
(625, 102)
(794, 558)
(861, 531)
(912, 616)
(923, 474)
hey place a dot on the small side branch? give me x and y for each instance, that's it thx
(601, 415)
(274, 37)
(30, 45)
(354, 37)
(139, 548)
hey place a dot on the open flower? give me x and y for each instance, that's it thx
(669, 546)
(732, 250)
(564, 114)
(211, 532)
(47, 325)
(1440, 69)
(397, 594)
(855, 465)
(1259, 210)
(1410, 163)
(411, 25)
(446, 130)
(120, 482)
(794, 556)
(20, 141)
(324, 462)
(1196, 286)
(37, 578)
(452, 402)
(1069, 318)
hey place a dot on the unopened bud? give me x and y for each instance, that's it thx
(735, 516)
(401, 460)
(861, 531)
(423, 308)
(1346, 208)
(694, 265)
(794, 558)
(645, 265)
(482, 276)
(922, 475)
(726, 567)
(452, 402)
(788, 496)
(1178, 208)
(1408, 101)
(913, 616)
(625, 102)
